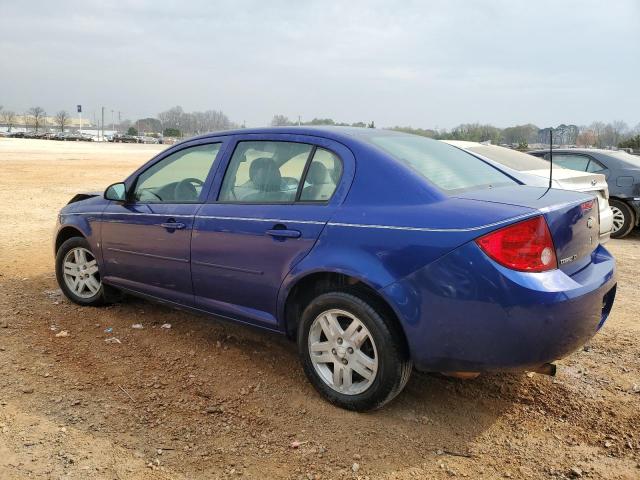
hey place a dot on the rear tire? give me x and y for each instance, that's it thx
(354, 355)
(623, 219)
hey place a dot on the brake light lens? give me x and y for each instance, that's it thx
(524, 246)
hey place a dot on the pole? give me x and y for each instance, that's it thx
(112, 122)
(102, 124)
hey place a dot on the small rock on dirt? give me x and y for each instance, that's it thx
(166, 326)
(575, 472)
(355, 467)
(62, 334)
(4, 323)
(137, 326)
(27, 389)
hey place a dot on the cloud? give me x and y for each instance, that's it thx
(428, 64)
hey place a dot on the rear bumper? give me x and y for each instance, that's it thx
(606, 224)
(464, 312)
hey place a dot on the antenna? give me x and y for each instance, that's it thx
(550, 155)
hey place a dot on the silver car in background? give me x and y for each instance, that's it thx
(534, 171)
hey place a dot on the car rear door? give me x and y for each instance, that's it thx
(267, 209)
(146, 240)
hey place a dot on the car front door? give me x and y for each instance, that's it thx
(146, 239)
(267, 209)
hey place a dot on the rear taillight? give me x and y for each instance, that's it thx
(525, 246)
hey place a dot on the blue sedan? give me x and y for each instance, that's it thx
(377, 251)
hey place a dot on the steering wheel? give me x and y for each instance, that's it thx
(186, 190)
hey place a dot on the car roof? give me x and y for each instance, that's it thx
(340, 134)
(617, 157)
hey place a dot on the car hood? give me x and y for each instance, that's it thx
(78, 197)
(573, 180)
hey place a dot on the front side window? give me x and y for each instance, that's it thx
(448, 167)
(572, 162)
(177, 178)
(265, 172)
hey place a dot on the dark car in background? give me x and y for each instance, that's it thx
(622, 171)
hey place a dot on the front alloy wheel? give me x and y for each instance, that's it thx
(78, 273)
(81, 272)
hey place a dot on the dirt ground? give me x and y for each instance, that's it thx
(206, 399)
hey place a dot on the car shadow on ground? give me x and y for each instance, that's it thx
(253, 375)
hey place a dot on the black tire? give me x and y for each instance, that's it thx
(394, 365)
(629, 218)
(99, 298)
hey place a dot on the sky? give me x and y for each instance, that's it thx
(428, 64)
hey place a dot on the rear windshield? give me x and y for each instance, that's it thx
(449, 168)
(510, 158)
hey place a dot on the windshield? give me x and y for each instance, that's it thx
(449, 168)
(510, 158)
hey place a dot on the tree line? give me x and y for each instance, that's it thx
(597, 134)
(175, 122)
(35, 117)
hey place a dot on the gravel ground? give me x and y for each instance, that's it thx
(207, 399)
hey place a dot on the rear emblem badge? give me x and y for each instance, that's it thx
(594, 183)
(568, 259)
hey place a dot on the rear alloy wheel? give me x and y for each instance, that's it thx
(623, 219)
(354, 356)
(78, 273)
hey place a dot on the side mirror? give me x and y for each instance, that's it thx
(116, 192)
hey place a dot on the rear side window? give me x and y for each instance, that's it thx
(449, 168)
(594, 166)
(322, 177)
(573, 162)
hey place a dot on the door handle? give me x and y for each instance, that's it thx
(173, 225)
(284, 233)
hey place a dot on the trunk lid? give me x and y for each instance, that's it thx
(572, 218)
(572, 180)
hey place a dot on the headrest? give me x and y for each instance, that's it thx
(265, 175)
(317, 174)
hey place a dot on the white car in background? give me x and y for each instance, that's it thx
(534, 171)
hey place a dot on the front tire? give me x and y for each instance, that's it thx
(78, 273)
(623, 219)
(352, 353)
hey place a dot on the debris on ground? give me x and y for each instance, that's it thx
(62, 334)
(137, 326)
(112, 340)
(166, 325)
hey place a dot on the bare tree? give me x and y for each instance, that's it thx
(62, 119)
(280, 121)
(37, 116)
(619, 129)
(8, 118)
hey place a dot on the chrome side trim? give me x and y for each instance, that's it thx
(149, 255)
(227, 267)
(348, 225)
(269, 220)
(427, 229)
